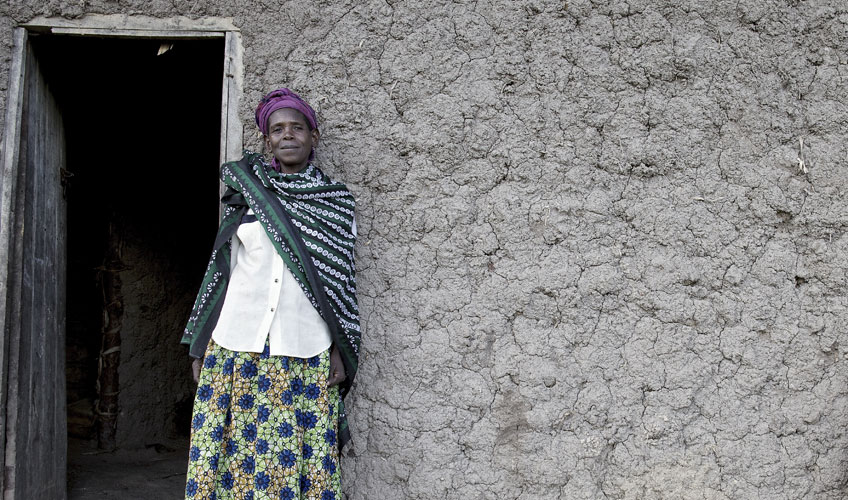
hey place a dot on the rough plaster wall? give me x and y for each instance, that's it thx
(156, 388)
(589, 264)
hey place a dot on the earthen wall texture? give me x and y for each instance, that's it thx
(595, 260)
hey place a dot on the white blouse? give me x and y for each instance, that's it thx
(264, 299)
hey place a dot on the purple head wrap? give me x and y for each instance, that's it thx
(282, 98)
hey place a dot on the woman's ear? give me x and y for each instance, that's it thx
(267, 143)
(316, 136)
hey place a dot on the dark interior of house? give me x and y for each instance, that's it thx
(142, 129)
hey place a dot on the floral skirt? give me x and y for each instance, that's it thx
(264, 427)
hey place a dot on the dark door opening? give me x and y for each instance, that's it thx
(142, 122)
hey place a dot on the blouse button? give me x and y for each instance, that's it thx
(276, 280)
(272, 309)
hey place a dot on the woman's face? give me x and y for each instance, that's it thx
(290, 140)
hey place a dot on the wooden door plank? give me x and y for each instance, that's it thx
(60, 421)
(35, 417)
(52, 338)
(27, 367)
(123, 33)
(9, 206)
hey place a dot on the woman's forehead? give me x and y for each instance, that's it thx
(287, 115)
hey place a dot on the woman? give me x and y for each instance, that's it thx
(275, 322)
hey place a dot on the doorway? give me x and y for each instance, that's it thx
(137, 122)
(142, 134)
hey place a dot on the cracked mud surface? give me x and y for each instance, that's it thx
(589, 263)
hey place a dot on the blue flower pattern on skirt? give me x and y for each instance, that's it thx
(264, 427)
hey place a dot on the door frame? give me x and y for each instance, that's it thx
(100, 26)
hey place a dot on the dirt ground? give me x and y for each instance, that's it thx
(156, 471)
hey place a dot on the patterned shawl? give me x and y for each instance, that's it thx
(322, 211)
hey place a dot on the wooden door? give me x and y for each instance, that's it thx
(34, 340)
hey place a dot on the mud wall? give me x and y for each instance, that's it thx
(156, 392)
(595, 260)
